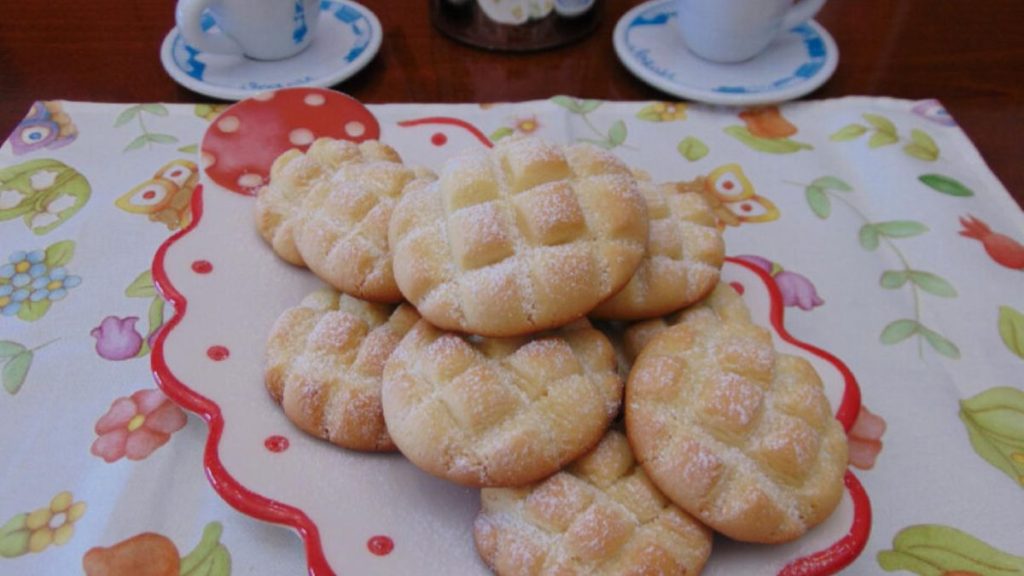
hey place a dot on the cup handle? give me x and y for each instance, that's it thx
(188, 16)
(801, 12)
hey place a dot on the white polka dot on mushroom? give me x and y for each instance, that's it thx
(301, 136)
(314, 100)
(250, 180)
(264, 96)
(207, 159)
(355, 129)
(229, 124)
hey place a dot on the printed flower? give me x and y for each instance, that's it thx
(117, 338)
(796, 289)
(137, 425)
(53, 286)
(526, 125)
(662, 112)
(767, 122)
(22, 270)
(36, 531)
(865, 439)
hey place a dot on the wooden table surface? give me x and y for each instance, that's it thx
(968, 54)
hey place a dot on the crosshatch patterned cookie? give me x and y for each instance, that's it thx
(684, 256)
(341, 229)
(499, 411)
(723, 301)
(526, 237)
(601, 515)
(325, 361)
(292, 176)
(738, 435)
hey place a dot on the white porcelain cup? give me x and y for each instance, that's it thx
(259, 29)
(736, 30)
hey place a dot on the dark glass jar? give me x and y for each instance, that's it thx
(516, 25)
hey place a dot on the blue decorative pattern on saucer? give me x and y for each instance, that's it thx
(663, 14)
(815, 51)
(187, 58)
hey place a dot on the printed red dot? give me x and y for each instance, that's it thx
(218, 353)
(380, 545)
(738, 287)
(276, 443)
(728, 185)
(438, 139)
(148, 195)
(746, 207)
(202, 267)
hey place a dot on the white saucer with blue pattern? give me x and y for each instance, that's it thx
(348, 36)
(648, 41)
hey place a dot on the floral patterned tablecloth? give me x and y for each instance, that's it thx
(893, 246)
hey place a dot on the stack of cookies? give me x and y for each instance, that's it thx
(458, 330)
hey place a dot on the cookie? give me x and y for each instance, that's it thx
(525, 237)
(341, 229)
(722, 301)
(325, 361)
(499, 411)
(684, 256)
(292, 176)
(738, 435)
(601, 516)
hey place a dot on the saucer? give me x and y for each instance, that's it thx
(347, 38)
(648, 42)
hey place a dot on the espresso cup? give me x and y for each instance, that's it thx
(730, 31)
(259, 29)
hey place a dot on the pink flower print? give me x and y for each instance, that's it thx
(117, 338)
(137, 425)
(796, 289)
(865, 439)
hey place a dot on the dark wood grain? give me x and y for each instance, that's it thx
(968, 54)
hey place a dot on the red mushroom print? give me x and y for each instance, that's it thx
(243, 142)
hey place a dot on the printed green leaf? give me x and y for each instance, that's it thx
(936, 550)
(879, 139)
(137, 143)
(141, 287)
(32, 311)
(653, 112)
(576, 106)
(156, 320)
(899, 331)
(940, 343)
(127, 115)
(210, 557)
(900, 228)
(922, 140)
(945, 185)
(819, 201)
(155, 109)
(14, 537)
(500, 133)
(920, 153)
(9, 348)
(162, 138)
(881, 124)
(995, 426)
(617, 133)
(868, 237)
(832, 183)
(60, 253)
(193, 148)
(1011, 330)
(15, 371)
(850, 132)
(692, 149)
(893, 279)
(932, 284)
(769, 145)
